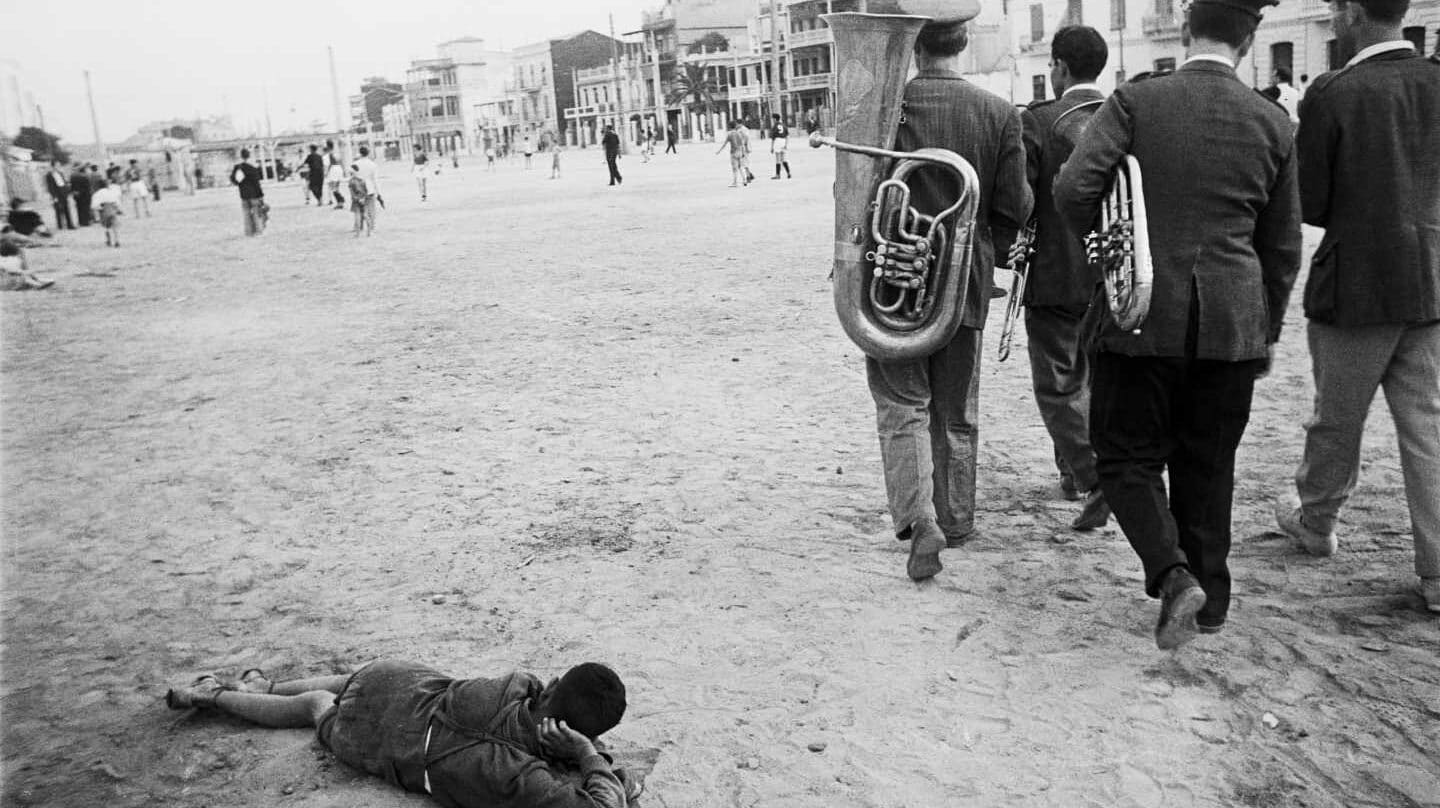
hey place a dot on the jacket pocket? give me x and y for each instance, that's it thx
(1320, 289)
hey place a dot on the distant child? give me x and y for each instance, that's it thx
(14, 271)
(109, 207)
(358, 193)
(555, 160)
(490, 158)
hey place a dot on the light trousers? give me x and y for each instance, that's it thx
(1350, 363)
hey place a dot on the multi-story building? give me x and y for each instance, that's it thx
(445, 93)
(545, 74)
(668, 35)
(615, 93)
(366, 107)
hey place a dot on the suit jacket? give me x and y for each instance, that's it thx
(80, 183)
(59, 189)
(1369, 145)
(944, 111)
(1059, 273)
(1222, 206)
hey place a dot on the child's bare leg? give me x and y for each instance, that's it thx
(279, 712)
(294, 687)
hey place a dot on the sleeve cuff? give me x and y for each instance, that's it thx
(594, 763)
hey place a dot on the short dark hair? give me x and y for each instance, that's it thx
(1221, 23)
(244, 153)
(1282, 74)
(943, 39)
(590, 698)
(8, 248)
(313, 147)
(364, 151)
(1082, 49)
(1391, 11)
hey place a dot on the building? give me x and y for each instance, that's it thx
(543, 86)
(367, 107)
(615, 93)
(672, 32)
(445, 94)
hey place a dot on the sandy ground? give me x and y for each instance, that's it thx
(533, 422)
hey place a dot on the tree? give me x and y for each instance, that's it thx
(713, 41)
(693, 88)
(43, 145)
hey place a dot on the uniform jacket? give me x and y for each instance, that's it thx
(1222, 204)
(944, 111)
(1059, 273)
(1369, 144)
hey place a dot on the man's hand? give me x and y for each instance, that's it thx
(1018, 249)
(563, 742)
(1267, 362)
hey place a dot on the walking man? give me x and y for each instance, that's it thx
(1370, 175)
(315, 176)
(928, 410)
(1224, 224)
(370, 173)
(246, 175)
(59, 187)
(779, 142)
(80, 187)
(1061, 283)
(611, 142)
(420, 168)
(739, 144)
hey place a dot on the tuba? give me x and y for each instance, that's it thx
(900, 275)
(1120, 248)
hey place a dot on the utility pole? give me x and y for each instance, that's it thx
(774, 59)
(335, 95)
(655, 75)
(615, 106)
(95, 121)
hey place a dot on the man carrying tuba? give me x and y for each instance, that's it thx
(1223, 218)
(927, 409)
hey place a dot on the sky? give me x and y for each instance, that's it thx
(162, 59)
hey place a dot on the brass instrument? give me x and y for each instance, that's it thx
(1120, 248)
(1021, 255)
(900, 275)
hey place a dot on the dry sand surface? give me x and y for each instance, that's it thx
(533, 422)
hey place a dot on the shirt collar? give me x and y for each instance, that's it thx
(1083, 87)
(1379, 48)
(1209, 57)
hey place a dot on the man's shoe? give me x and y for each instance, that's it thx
(1069, 491)
(1430, 591)
(1291, 520)
(1094, 514)
(1180, 599)
(953, 542)
(200, 693)
(926, 542)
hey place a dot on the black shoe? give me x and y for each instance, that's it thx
(1180, 599)
(926, 542)
(1095, 512)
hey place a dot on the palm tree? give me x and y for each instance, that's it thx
(693, 88)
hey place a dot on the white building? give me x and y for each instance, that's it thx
(445, 94)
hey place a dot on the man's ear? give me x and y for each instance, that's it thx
(1245, 46)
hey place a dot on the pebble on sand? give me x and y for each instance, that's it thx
(816, 746)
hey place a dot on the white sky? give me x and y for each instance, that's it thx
(161, 59)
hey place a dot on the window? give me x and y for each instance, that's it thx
(1037, 85)
(452, 105)
(1332, 54)
(1037, 23)
(437, 107)
(1416, 35)
(1073, 13)
(1282, 54)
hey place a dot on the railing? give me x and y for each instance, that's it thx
(593, 109)
(816, 36)
(811, 82)
(747, 93)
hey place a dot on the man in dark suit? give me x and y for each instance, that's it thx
(1061, 282)
(59, 187)
(1224, 227)
(80, 188)
(315, 175)
(611, 142)
(928, 409)
(1369, 145)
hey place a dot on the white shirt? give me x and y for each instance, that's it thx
(1209, 57)
(1290, 100)
(110, 193)
(370, 173)
(1089, 85)
(1382, 47)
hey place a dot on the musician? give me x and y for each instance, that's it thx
(1061, 282)
(1224, 225)
(928, 409)
(1369, 144)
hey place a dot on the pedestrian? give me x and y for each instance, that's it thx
(1170, 401)
(80, 188)
(528, 147)
(109, 206)
(370, 173)
(246, 176)
(315, 176)
(739, 145)
(779, 142)
(136, 190)
(1282, 92)
(58, 184)
(927, 409)
(489, 157)
(500, 742)
(1061, 283)
(1369, 151)
(611, 142)
(359, 193)
(199, 176)
(812, 122)
(153, 180)
(555, 160)
(670, 137)
(420, 170)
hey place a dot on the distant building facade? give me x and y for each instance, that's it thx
(444, 94)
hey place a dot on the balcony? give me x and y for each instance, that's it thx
(751, 92)
(814, 81)
(815, 36)
(1165, 25)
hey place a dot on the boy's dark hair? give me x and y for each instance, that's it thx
(1282, 75)
(364, 151)
(590, 698)
(1082, 49)
(8, 248)
(1221, 23)
(244, 154)
(943, 39)
(1388, 11)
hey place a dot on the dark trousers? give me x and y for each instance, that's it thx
(1060, 375)
(670, 148)
(317, 189)
(614, 169)
(82, 208)
(62, 214)
(1150, 415)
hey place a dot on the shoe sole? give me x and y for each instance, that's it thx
(924, 563)
(1179, 626)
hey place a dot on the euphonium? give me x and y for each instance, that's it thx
(1120, 247)
(900, 275)
(1022, 253)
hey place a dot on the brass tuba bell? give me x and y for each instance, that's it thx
(900, 275)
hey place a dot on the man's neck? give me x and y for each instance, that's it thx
(942, 64)
(1210, 47)
(1369, 33)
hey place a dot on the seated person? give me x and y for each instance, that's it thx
(486, 743)
(15, 273)
(25, 221)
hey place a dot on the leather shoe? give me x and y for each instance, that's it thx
(200, 693)
(1180, 599)
(1095, 512)
(926, 542)
(1291, 520)
(1069, 491)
